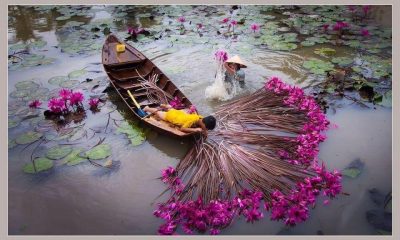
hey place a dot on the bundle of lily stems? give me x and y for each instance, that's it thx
(261, 157)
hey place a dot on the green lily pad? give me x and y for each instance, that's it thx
(26, 85)
(77, 73)
(99, 152)
(74, 158)
(38, 44)
(11, 143)
(282, 46)
(28, 137)
(325, 51)
(62, 18)
(69, 84)
(20, 93)
(318, 66)
(41, 164)
(342, 61)
(57, 80)
(134, 133)
(307, 43)
(58, 152)
(18, 46)
(13, 123)
(385, 99)
(351, 172)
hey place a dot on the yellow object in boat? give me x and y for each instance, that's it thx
(120, 47)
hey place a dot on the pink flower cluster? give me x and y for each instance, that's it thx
(192, 109)
(255, 27)
(212, 216)
(307, 142)
(339, 25)
(176, 103)
(67, 98)
(365, 32)
(181, 19)
(169, 177)
(293, 208)
(135, 31)
(221, 55)
(35, 104)
(93, 103)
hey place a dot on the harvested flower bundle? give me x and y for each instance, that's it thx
(264, 148)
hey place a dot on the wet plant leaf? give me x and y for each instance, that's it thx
(77, 73)
(58, 152)
(69, 84)
(353, 169)
(13, 123)
(74, 157)
(342, 61)
(99, 152)
(11, 143)
(41, 164)
(62, 18)
(57, 80)
(28, 137)
(317, 66)
(26, 85)
(38, 44)
(325, 52)
(134, 133)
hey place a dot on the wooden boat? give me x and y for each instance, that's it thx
(125, 71)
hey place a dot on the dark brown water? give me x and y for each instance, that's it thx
(85, 199)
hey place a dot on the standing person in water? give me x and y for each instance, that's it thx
(234, 71)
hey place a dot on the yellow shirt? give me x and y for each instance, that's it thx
(181, 118)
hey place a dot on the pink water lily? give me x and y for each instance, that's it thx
(176, 103)
(365, 32)
(199, 26)
(255, 27)
(65, 94)
(221, 55)
(56, 105)
(93, 103)
(351, 8)
(340, 25)
(325, 26)
(181, 19)
(233, 23)
(35, 104)
(76, 98)
(225, 20)
(366, 9)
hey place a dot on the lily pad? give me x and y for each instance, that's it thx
(318, 66)
(307, 43)
(342, 61)
(385, 99)
(282, 46)
(77, 73)
(13, 123)
(325, 52)
(28, 137)
(69, 84)
(134, 133)
(62, 18)
(57, 80)
(99, 152)
(26, 85)
(74, 158)
(41, 164)
(38, 44)
(11, 143)
(353, 169)
(20, 93)
(18, 46)
(58, 152)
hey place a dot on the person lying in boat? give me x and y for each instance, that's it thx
(234, 71)
(187, 122)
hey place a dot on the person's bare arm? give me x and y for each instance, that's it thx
(190, 130)
(228, 68)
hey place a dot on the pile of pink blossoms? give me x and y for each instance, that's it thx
(292, 208)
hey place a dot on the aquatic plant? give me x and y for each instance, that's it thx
(233, 23)
(215, 170)
(181, 19)
(364, 32)
(93, 103)
(65, 94)
(366, 9)
(35, 104)
(76, 98)
(176, 103)
(192, 109)
(221, 55)
(325, 27)
(255, 27)
(225, 20)
(56, 105)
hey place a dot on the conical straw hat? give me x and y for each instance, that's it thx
(236, 59)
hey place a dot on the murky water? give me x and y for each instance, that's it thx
(85, 199)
